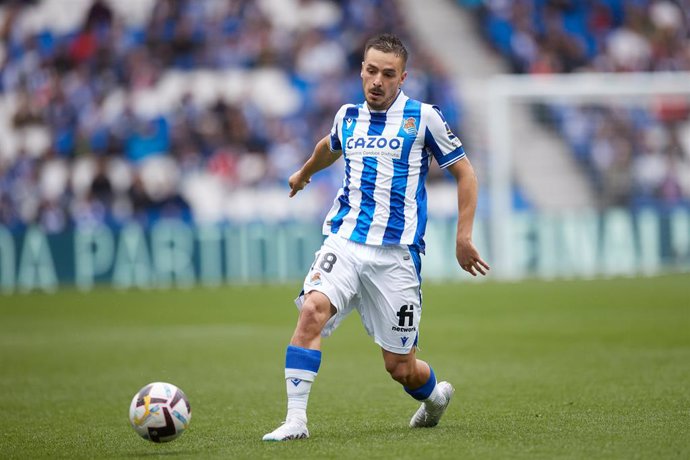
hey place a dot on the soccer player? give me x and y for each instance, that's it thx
(370, 260)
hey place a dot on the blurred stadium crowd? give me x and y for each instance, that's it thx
(635, 155)
(182, 112)
(137, 109)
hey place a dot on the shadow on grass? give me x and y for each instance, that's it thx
(166, 453)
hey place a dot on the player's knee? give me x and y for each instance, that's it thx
(314, 312)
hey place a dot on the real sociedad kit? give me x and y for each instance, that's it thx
(375, 229)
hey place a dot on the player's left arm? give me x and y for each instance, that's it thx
(465, 251)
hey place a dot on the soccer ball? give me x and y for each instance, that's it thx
(160, 412)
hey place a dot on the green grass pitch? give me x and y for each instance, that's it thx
(568, 369)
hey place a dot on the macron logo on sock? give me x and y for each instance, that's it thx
(296, 382)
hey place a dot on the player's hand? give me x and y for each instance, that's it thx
(297, 182)
(469, 259)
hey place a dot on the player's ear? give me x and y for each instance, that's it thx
(361, 72)
(403, 77)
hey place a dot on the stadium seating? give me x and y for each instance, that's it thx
(635, 156)
(112, 111)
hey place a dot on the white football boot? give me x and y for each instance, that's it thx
(429, 414)
(289, 430)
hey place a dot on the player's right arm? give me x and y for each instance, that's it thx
(321, 158)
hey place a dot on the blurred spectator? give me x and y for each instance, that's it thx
(625, 149)
(125, 116)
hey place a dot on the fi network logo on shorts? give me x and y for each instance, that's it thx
(405, 319)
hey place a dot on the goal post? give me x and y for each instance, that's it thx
(503, 94)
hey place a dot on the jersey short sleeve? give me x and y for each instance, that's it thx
(440, 140)
(335, 143)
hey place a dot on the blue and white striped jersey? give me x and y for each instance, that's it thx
(387, 157)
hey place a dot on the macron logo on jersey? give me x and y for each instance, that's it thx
(374, 146)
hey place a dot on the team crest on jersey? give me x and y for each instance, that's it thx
(315, 279)
(410, 126)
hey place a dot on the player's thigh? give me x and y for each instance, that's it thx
(391, 306)
(333, 273)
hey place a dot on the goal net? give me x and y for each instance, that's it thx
(589, 174)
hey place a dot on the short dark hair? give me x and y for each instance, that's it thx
(387, 43)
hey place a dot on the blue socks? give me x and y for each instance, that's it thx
(301, 367)
(425, 390)
(302, 361)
